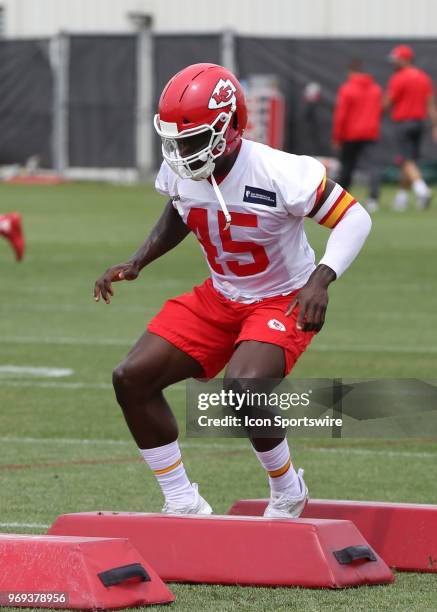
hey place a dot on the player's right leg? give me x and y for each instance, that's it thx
(409, 140)
(192, 336)
(152, 365)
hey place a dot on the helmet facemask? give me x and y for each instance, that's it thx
(194, 158)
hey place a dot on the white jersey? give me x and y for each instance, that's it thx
(265, 252)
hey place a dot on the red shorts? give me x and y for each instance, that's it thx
(208, 327)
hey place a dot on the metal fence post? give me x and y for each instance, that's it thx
(228, 55)
(144, 110)
(59, 59)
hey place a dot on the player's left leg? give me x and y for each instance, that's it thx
(193, 335)
(254, 367)
(349, 155)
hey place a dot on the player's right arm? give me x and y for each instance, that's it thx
(168, 232)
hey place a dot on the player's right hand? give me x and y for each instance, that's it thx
(103, 286)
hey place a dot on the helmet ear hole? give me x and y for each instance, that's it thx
(235, 121)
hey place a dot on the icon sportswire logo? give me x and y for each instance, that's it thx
(275, 324)
(223, 94)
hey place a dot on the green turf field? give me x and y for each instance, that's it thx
(65, 446)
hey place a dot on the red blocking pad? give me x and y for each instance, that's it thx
(240, 550)
(404, 535)
(76, 573)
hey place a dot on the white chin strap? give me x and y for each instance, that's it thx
(224, 208)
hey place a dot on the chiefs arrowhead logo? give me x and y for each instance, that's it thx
(223, 95)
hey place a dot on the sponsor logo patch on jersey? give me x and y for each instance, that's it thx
(223, 95)
(275, 324)
(256, 195)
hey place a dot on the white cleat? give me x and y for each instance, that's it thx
(372, 206)
(424, 201)
(283, 505)
(198, 506)
(399, 204)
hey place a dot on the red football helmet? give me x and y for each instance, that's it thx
(202, 115)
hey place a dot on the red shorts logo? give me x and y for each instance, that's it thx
(275, 324)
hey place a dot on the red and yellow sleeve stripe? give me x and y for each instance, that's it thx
(320, 190)
(329, 209)
(338, 210)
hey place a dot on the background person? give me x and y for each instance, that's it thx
(11, 228)
(356, 128)
(410, 96)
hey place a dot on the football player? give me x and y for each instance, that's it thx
(411, 100)
(265, 298)
(11, 228)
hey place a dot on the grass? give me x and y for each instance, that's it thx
(65, 446)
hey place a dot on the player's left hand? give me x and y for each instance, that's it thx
(312, 300)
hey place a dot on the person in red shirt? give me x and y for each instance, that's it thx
(357, 118)
(410, 96)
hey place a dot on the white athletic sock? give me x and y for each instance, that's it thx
(420, 188)
(166, 463)
(282, 475)
(400, 202)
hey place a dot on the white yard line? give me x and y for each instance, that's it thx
(216, 446)
(24, 525)
(77, 308)
(5, 382)
(373, 348)
(67, 340)
(51, 441)
(370, 451)
(150, 310)
(53, 385)
(334, 347)
(38, 372)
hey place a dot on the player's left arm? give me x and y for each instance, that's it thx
(350, 225)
